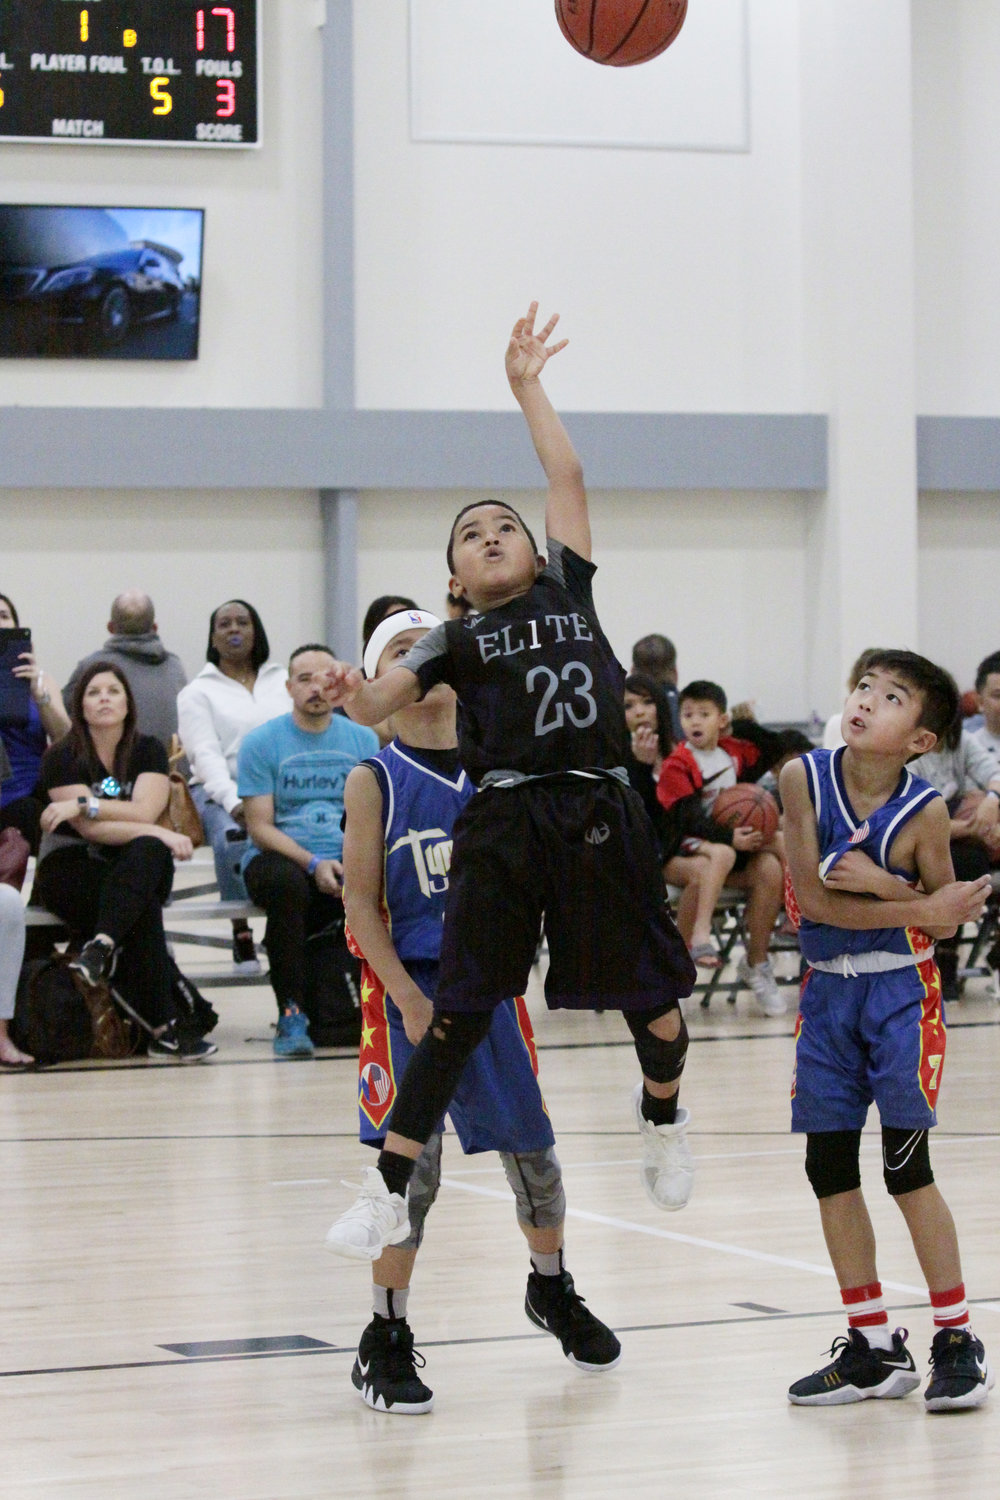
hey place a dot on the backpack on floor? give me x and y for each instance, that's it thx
(196, 1017)
(332, 1000)
(57, 1019)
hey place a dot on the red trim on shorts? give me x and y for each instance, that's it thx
(933, 1036)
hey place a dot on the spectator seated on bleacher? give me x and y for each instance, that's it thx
(985, 726)
(155, 675)
(291, 776)
(106, 867)
(237, 690)
(968, 778)
(692, 775)
(11, 955)
(26, 743)
(655, 656)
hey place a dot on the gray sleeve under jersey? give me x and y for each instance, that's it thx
(429, 659)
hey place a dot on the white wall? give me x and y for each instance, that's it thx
(958, 571)
(67, 554)
(725, 579)
(261, 326)
(677, 273)
(956, 107)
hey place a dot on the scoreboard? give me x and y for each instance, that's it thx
(132, 72)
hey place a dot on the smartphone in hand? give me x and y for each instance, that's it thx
(15, 692)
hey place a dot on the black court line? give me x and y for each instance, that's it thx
(506, 1338)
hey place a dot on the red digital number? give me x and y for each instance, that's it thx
(199, 27)
(225, 97)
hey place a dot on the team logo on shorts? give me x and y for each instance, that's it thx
(860, 834)
(599, 834)
(376, 1085)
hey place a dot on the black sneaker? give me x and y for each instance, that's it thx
(95, 962)
(385, 1371)
(180, 1045)
(960, 1372)
(859, 1373)
(553, 1303)
(245, 958)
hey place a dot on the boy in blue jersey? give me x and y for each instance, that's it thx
(870, 865)
(401, 806)
(555, 832)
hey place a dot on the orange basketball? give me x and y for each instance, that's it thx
(620, 33)
(747, 806)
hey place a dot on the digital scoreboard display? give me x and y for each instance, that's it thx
(132, 72)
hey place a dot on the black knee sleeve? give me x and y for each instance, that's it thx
(660, 1061)
(433, 1071)
(833, 1161)
(906, 1160)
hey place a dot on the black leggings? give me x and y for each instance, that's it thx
(296, 910)
(119, 891)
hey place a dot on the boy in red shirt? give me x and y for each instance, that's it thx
(691, 778)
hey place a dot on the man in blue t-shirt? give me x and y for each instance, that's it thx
(291, 774)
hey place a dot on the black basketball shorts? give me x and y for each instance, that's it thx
(581, 854)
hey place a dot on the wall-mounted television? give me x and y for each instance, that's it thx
(99, 283)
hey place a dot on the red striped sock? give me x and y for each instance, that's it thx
(950, 1308)
(866, 1312)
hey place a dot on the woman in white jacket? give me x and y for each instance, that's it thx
(235, 691)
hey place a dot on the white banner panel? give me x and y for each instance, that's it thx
(502, 73)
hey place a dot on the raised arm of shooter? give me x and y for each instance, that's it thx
(370, 702)
(566, 518)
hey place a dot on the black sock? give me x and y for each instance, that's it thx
(396, 1171)
(658, 1111)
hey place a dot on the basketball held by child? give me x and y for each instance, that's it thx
(620, 33)
(747, 806)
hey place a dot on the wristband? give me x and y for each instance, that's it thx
(311, 866)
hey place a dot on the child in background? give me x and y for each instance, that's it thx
(691, 778)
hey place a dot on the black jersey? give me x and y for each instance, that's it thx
(539, 688)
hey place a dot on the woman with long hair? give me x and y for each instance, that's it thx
(237, 689)
(106, 866)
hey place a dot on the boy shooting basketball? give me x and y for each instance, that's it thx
(401, 809)
(555, 831)
(860, 832)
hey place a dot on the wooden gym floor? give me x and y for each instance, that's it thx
(173, 1328)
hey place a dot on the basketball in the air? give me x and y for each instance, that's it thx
(747, 806)
(620, 33)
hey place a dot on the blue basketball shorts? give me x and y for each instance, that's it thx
(497, 1106)
(877, 1038)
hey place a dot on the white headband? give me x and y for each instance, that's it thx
(391, 626)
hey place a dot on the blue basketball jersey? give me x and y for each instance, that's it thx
(840, 830)
(419, 808)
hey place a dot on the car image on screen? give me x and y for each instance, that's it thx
(73, 282)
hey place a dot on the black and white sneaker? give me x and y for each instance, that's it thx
(859, 1373)
(385, 1371)
(181, 1046)
(960, 1372)
(552, 1303)
(95, 962)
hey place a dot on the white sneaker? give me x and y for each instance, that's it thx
(760, 978)
(667, 1166)
(376, 1218)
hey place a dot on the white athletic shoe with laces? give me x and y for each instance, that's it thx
(760, 978)
(667, 1166)
(376, 1218)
